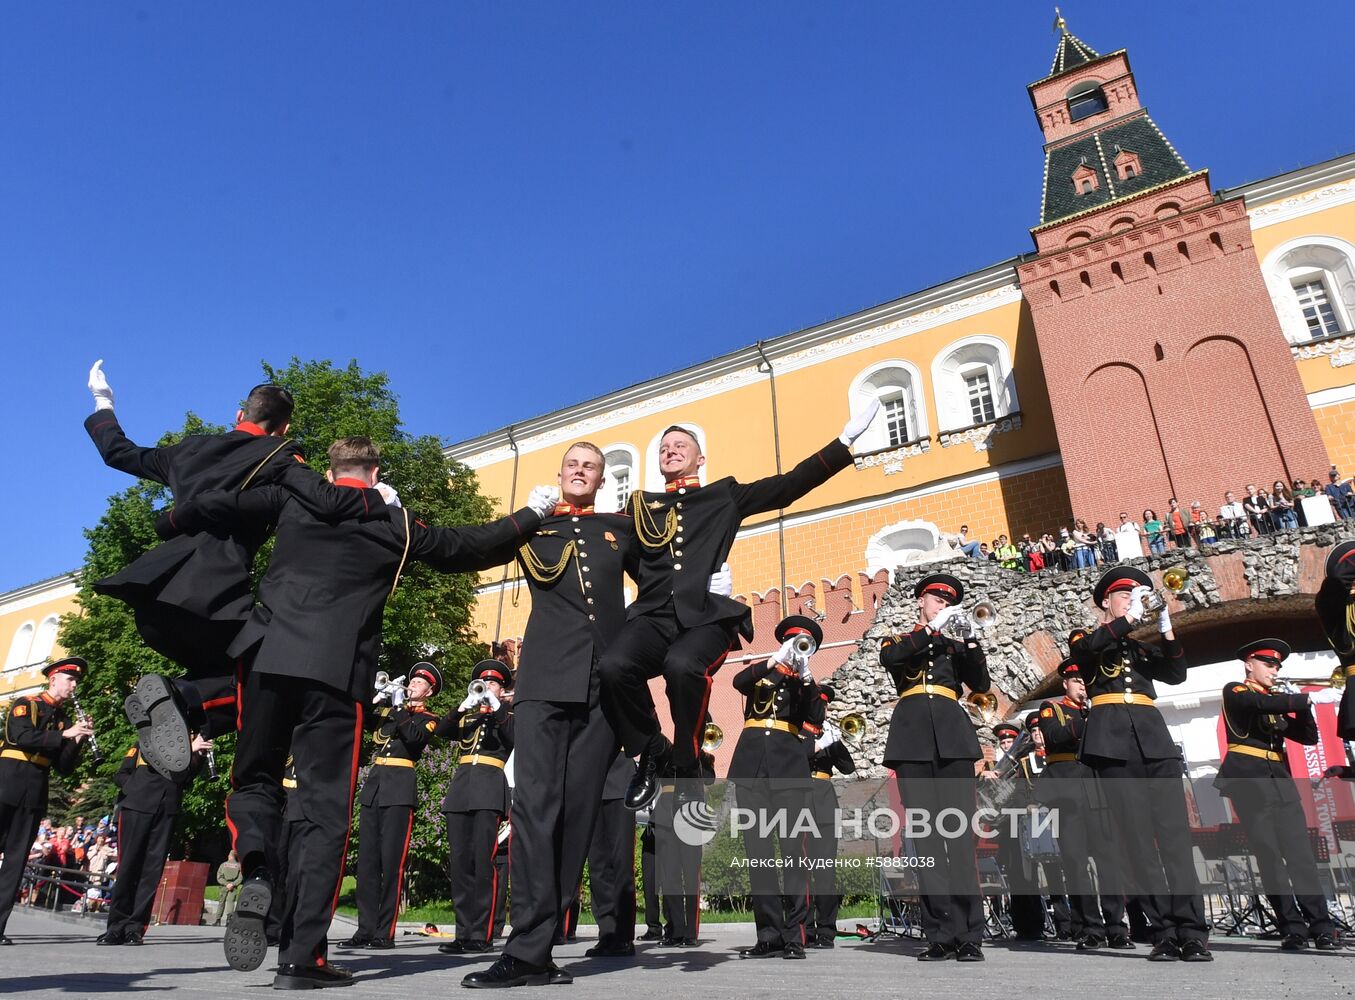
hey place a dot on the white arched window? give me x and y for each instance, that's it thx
(44, 640)
(1311, 281)
(902, 417)
(623, 476)
(973, 382)
(19, 648)
(654, 475)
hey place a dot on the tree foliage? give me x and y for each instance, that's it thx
(428, 618)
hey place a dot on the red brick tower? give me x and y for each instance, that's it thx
(1167, 371)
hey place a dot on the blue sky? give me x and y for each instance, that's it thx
(513, 207)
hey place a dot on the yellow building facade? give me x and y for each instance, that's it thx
(29, 619)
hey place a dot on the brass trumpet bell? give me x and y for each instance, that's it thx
(981, 708)
(1175, 579)
(711, 737)
(853, 726)
(984, 614)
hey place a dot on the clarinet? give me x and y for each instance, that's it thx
(82, 716)
(211, 764)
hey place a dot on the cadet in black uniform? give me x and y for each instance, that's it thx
(39, 733)
(1129, 747)
(310, 650)
(675, 627)
(677, 867)
(386, 811)
(575, 565)
(1026, 906)
(476, 803)
(1336, 610)
(770, 774)
(932, 749)
(649, 878)
(827, 753)
(611, 867)
(148, 804)
(1255, 776)
(192, 594)
(1069, 786)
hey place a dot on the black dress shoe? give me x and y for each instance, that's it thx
(111, 937)
(311, 977)
(476, 947)
(452, 947)
(792, 949)
(763, 949)
(381, 944)
(1165, 950)
(644, 787)
(667, 941)
(937, 953)
(135, 937)
(1195, 951)
(1121, 942)
(826, 942)
(509, 971)
(558, 976)
(4, 941)
(1091, 942)
(156, 710)
(687, 942)
(652, 934)
(1293, 942)
(1325, 942)
(969, 952)
(356, 941)
(244, 943)
(611, 949)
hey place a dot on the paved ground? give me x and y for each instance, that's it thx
(57, 958)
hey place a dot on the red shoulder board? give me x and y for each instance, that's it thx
(1046, 712)
(1240, 689)
(886, 641)
(430, 726)
(21, 709)
(299, 459)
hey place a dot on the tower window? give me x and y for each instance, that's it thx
(1085, 180)
(1317, 309)
(1085, 100)
(1127, 164)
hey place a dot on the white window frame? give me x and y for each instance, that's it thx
(1306, 257)
(615, 455)
(952, 363)
(44, 639)
(1307, 278)
(884, 380)
(987, 374)
(654, 475)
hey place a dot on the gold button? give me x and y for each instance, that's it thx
(588, 583)
(677, 565)
(592, 618)
(678, 539)
(578, 531)
(1128, 697)
(585, 569)
(583, 555)
(679, 507)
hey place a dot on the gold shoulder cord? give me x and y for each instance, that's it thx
(538, 570)
(249, 478)
(762, 705)
(645, 528)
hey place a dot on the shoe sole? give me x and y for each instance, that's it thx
(161, 727)
(245, 944)
(281, 982)
(535, 979)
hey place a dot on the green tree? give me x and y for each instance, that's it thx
(428, 617)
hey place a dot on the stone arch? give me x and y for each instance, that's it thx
(1245, 423)
(1146, 478)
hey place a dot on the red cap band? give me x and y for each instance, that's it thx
(796, 630)
(1124, 583)
(1267, 654)
(492, 675)
(940, 588)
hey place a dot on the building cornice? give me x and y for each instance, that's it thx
(50, 589)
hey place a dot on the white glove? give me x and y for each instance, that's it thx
(826, 739)
(806, 674)
(98, 385)
(1164, 621)
(722, 581)
(543, 499)
(787, 655)
(1136, 596)
(492, 701)
(388, 494)
(1327, 696)
(471, 701)
(381, 695)
(398, 697)
(943, 616)
(857, 425)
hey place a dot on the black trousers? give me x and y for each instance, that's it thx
(1148, 808)
(678, 866)
(1277, 833)
(321, 728)
(383, 845)
(561, 755)
(952, 910)
(655, 644)
(143, 846)
(824, 900)
(18, 827)
(649, 879)
(1027, 905)
(199, 646)
(503, 873)
(472, 838)
(1089, 915)
(780, 901)
(611, 872)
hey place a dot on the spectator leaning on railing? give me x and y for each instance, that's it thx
(1178, 524)
(1283, 508)
(1339, 493)
(1234, 517)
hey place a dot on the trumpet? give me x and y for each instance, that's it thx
(1173, 580)
(477, 688)
(980, 707)
(803, 644)
(984, 614)
(95, 754)
(853, 727)
(1291, 685)
(711, 737)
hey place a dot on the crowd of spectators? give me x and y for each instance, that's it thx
(1259, 512)
(88, 852)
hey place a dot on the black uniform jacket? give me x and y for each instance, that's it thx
(207, 574)
(402, 734)
(574, 570)
(770, 695)
(319, 611)
(142, 789)
(1116, 665)
(1259, 720)
(1332, 600)
(33, 745)
(834, 757)
(931, 726)
(484, 737)
(1063, 723)
(706, 519)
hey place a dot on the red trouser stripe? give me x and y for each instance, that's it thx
(400, 875)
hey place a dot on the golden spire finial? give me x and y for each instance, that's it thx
(1059, 23)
